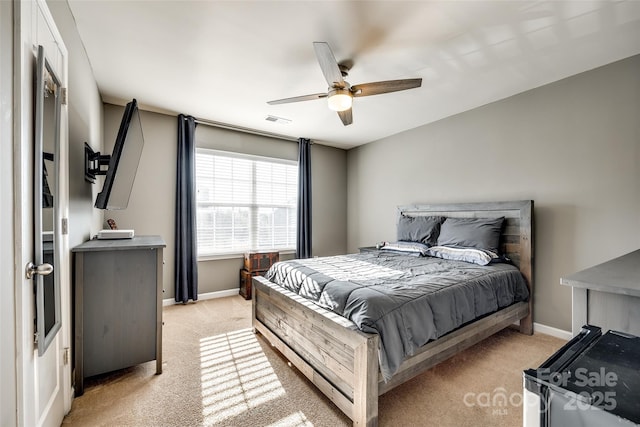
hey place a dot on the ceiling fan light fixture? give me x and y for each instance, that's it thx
(339, 99)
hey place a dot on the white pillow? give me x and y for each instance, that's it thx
(414, 248)
(476, 256)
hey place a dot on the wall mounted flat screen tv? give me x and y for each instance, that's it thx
(124, 161)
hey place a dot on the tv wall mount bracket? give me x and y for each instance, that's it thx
(94, 163)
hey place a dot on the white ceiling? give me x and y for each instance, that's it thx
(223, 60)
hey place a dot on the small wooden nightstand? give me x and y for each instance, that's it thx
(255, 264)
(364, 249)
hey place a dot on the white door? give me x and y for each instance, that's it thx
(40, 210)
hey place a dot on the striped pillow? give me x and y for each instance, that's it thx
(410, 248)
(476, 256)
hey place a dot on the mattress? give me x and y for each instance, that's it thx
(407, 300)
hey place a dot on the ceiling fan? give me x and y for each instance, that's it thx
(340, 93)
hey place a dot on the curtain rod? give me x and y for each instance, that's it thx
(244, 129)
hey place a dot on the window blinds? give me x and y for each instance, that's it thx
(244, 202)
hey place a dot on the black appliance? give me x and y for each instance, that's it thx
(593, 380)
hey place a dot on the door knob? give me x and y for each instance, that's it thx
(42, 269)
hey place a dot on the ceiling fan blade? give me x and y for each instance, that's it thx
(376, 88)
(346, 116)
(328, 64)
(298, 98)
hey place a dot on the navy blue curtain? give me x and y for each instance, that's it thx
(186, 270)
(303, 235)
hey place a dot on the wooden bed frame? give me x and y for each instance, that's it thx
(343, 361)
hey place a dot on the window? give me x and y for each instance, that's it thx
(245, 202)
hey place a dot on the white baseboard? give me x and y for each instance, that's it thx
(208, 295)
(549, 330)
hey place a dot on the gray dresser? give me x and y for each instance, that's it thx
(607, 295)
(118, 305)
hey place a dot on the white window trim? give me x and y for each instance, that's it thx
(237, 255)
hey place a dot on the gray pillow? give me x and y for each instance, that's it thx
(422, 229)
(479, 233)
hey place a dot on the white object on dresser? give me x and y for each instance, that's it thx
(115, 234)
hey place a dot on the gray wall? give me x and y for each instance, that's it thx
(152, 203)
(85, 125)
(572, 146)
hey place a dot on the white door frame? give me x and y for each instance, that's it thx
(8, 401)
(35, 26)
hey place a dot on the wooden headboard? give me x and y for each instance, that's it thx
(516, 240)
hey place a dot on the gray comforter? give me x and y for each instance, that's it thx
(407, 300)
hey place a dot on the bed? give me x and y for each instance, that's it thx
(347, 363)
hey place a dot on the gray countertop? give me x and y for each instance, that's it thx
(620, 276)
(138, 242)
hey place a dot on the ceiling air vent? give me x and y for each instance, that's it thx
(276, 119)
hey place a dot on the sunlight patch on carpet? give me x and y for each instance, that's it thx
(235, 376)
(296, 419)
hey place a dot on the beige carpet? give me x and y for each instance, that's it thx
(217, 372)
